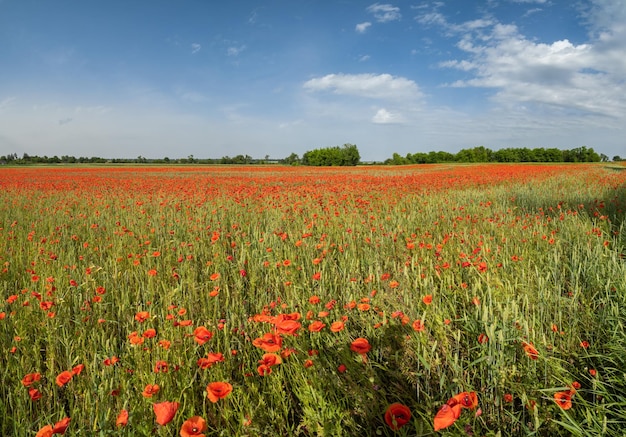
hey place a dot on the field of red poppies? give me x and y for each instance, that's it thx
(245, 301)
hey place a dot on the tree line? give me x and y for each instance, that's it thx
(346, 155)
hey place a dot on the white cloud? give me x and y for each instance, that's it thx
(235, 51)
(364, 58)
(560, 74)
(362, 27)
(382, 86)
(195, 48)
(384, 13)
(383, 116)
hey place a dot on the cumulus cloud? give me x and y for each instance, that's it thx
(381, 86)
(383, 116)
(587, 78)
(362, 27)
(384, 13)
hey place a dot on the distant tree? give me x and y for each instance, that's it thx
(617, 158)
(348, 155)
(292, 159)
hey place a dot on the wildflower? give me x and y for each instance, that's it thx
(63, 378)
(269, 342)
(308, 363)
(122, 418)
(202, 335)
(418, 326)
(194, 426)
(218, 390)
(584, 344)
(30, 379)
(337, 326)
(466, 399)
(482, 338)
(287, 327)
(149, 333)
(397, 415)
(165, 412)
(161, 367)
(77, 370)
(508, 398)
(316, 326)
(360, 345)
(530, 350)
(271, 359)
(592, 372)
(61, 426)
(428, 299)
(451, 411)
(34, 394)
(142, 316)
(150, 390)
(46, 431)
(342, 368)
(563, 399)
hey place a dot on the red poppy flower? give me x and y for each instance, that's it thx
(202, 335)
(34, 394)
(77, 370)
(428, 299)
(63, 378)
(466, 399)
(122, 418)
(46, 431)
(61, 426)
(269, 342)
(530, 350)
(360, 345)
(446, 416)
(165, 412)
(316, 326)
(218, 390)
(142, 316)
(418, 326)
(194, 426)
(563, 399)
(150, 390)
(337, 326)
(287, 327)
(397, 415)
(30, 379)
(271, 359)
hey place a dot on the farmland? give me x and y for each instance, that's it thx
(264, 300)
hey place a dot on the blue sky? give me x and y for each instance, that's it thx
(210, 79)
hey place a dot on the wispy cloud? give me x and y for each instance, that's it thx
(235, 51)
(364, 58)
(195, 48)
(362, 27)
(382, 86)
(65, 121)
(385, 12)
